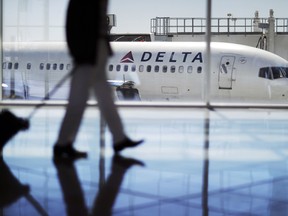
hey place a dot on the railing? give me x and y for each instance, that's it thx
(281, 25)
(168, 25)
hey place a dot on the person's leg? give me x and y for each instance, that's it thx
(79, 93)
(104, 202)
(105, 100)
(104, 95)
(71, 187)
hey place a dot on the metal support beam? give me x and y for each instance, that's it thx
(207, 77)
(1, 46)
(271, 32)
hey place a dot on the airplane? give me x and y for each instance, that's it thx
(152, 71)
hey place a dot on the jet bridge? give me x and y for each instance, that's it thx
(265, 33)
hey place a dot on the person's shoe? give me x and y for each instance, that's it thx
(126, 163)
(126, 143)
(68, 151)
(64, 162)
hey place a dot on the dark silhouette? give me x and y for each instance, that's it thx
(87, 39)
(9, 126)
(12, 190)
(104, 201)
(10, 187)
(71, 187)
(108, 192)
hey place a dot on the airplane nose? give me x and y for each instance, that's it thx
(279, 89)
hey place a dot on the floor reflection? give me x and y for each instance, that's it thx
(11, 190)
(197, 162)
(105, 199)
(71, 187)
(205, 187)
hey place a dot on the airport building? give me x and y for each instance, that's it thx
(199, 157)
(269, 33)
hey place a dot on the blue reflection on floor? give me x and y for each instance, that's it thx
(193, 162)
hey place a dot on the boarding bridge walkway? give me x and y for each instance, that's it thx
(270, 33)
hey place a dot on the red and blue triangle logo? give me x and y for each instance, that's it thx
(128, 58)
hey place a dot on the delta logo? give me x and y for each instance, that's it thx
(165, 57)
(128, 58)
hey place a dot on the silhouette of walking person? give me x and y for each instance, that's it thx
(105, 199)
(87, 39)
(11, 188)
(71, 187)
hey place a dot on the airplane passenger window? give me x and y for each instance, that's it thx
(48, 66)
(125, 68)
(173, 69)
(110, 68)
(148, 68)
(164, 69)
(141, 68)
(16, 65)
(199, 69)
(4, 65)
(118, 68)
(133, 68)
(189, 69)
(9, 65)
(54, 66)
(181, 69)
(28, 66)
(61, 66)
(68, 67)
(41, 66)
(156, 69)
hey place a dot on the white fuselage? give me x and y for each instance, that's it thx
(156, 70)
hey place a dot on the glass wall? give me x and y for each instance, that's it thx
(33, 33)
(34, 20)
(35, 56)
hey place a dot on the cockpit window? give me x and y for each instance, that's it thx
(273, 72)
(279, 72)
(265, 73)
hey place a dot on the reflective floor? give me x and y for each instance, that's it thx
(193, 162)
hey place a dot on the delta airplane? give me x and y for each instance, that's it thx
(147, 71)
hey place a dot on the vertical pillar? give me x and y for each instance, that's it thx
(205, 187)
(46, 29)
(256, 22)
(46, 38)
(271, 32)
(207, 76)
(1, 46)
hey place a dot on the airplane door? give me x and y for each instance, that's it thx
(225, 72)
